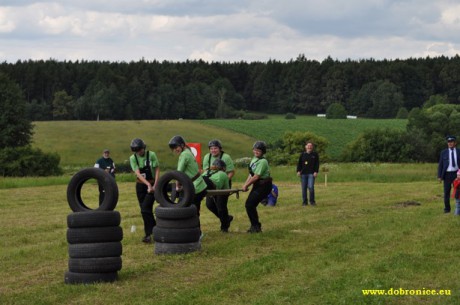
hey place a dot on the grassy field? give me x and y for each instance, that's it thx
(376, 227)
(80, 143)
(362, 235)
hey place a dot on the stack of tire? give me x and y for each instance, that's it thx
(178, 225)
(94, 235)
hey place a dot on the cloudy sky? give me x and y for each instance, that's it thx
(221, 30)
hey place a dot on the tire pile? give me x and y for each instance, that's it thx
(178, 225)
(94, 236)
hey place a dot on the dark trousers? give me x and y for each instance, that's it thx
(258, 193)
(146, 201)
(101, 194)
(448, 180)
(218, 206)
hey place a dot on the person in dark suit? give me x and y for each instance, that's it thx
(447, 168)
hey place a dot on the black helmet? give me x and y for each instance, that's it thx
(215, 143)
(176, 141)
(137, 144)
(260, 145)
(219, 164)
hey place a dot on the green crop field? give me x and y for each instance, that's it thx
(338, 132)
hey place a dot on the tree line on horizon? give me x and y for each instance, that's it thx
(91, 90)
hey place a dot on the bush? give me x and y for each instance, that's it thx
(381, 145)
(402, 113)
(336, 111)
(27, 161)
(286, 151)
(290, 116)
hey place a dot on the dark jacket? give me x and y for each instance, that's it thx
(444, 162)
(308, 163)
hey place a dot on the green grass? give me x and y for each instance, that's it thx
(80, 143)
(329, 172)
(338, 132)
(360, 236)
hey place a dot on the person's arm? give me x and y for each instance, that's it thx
(143, 180)
(299, 165)
(157, 176)
(440, 167)
(316, 169)
(230, 175)
(249, 181)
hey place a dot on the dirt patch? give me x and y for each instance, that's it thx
(407, 204)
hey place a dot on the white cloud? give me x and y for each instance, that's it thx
(227, 30)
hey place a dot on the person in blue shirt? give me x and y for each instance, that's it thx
(272, 198)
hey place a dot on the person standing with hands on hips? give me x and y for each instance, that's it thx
(105, 163)
(447, 168)
(145, 165)
(259, 178)
(307, 170)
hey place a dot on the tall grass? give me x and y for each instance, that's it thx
(360, 236)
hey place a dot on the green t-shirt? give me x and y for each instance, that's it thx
(143, 161)
(207, 163)
(220, 180)
(260, 167)
(188, 165)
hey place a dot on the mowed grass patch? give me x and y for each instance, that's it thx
(80, 143)
(339, 132)
(359, 237)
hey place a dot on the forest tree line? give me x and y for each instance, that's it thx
(90, 90)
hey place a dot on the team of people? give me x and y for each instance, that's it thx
(216, 173)
(218, 170)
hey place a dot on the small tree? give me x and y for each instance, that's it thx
(336, 111)
(402, 113)
(15, 129)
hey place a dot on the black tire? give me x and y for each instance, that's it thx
(185, 223)
(95, 265)
(93, 250)
(172, 248)
(176, 213)
(176, 235)
(163, 190)
(93, 219)
(94, 235)
(103, 178)
(89, 278)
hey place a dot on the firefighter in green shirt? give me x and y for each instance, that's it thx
(188, 165)
(216, 152)
(145, 165)
(259, 178)
(218, 178)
